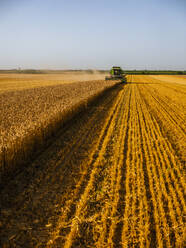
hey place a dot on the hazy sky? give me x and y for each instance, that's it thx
(82, 34)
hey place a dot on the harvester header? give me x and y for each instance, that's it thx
(116, 73)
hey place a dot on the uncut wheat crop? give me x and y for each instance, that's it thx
(115, 177)
(29, 116)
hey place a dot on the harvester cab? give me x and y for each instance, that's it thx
(116, 73)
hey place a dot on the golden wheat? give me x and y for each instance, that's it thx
(119, 178)
(28, 117)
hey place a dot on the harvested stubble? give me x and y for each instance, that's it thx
(29, 117)
(134, 195)
(118, 183)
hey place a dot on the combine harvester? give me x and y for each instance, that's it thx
(116, 73)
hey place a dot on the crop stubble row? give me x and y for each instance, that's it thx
(130, 188)
(135, 193)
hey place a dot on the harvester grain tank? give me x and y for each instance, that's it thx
(116, 73)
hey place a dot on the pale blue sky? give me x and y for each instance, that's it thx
(82, 34)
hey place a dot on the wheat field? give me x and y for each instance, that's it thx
(115, 177)
(28, 117)
(19, 81)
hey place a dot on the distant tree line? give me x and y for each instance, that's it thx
(154, 72)
(142, 72)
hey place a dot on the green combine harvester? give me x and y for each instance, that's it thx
(116, 73)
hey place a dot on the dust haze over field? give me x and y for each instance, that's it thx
(18, 81)
(113, 177)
